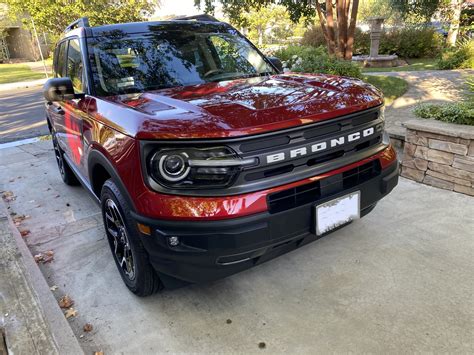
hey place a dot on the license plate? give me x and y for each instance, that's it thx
(337, 212)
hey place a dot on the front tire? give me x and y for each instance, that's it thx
(127, 249)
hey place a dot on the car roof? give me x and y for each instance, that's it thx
(145, 27)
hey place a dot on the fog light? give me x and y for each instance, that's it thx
(173, 241)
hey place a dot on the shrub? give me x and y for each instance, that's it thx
(408, 42)
(314, 37)
(459, 112)
(315, 60)
(460, 57)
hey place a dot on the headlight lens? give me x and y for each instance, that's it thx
(190, 168)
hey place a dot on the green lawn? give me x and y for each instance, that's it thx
(12, 73)
(413, 64)
(390, 86)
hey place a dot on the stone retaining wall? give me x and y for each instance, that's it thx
(440, 154)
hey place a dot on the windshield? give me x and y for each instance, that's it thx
(168, 58)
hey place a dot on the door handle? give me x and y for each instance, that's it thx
(58, 110)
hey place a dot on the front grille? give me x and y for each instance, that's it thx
(296, 168)
(312, 192)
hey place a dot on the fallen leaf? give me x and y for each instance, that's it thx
(65, 302)
(38, 258)
(25, 232)
(19, 218)
(99, 353)
(54, 287)
(8, 196)
(48, 256)
(71, 312)
(88, 327)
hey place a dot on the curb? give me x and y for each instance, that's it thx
(22, 84)
(65, 342)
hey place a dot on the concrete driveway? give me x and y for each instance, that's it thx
(400, 280)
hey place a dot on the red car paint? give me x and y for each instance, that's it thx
(115, 124)
(236, 108)
(162, 206)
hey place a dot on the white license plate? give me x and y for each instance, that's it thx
(337, 212)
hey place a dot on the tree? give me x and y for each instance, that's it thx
(425, 9)
(264, 22)
(456, 8)
(337, 18)
(52, 16)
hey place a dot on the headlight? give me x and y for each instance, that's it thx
(189, 168)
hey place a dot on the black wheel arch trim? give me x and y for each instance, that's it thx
(98, 158)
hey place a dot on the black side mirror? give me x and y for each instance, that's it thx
(276, 63)
(59, 89)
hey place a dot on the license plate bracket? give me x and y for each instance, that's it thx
(336, 212)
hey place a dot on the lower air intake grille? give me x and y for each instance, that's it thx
(312, 192)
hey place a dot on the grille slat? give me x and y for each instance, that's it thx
(312, 192)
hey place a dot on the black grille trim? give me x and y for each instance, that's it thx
(264, 175)
(312, 192)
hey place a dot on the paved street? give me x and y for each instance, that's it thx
(22, 114)
(397, 281)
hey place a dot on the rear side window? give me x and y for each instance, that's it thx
(75, 67)
(60, 60)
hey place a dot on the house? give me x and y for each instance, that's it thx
(18, 43)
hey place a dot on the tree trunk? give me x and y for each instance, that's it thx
(339, 35)
(331, 30)
(342, 25)
(456, 7)
(322, 21)
(351, 30)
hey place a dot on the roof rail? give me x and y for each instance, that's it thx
(201, 17)
(82, 22)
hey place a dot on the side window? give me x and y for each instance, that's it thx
(60, 67)
(75, 67)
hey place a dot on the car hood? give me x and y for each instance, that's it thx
(244, 106)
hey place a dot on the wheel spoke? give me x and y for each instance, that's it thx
(112, 232)
(118, 237)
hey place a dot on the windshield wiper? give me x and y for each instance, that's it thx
(236, 77)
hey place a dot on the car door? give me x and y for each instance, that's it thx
(55, 109)
(75, 110)
(69, 114)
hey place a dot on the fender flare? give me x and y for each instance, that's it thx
(97, 158)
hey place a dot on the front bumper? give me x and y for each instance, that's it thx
(210, 250)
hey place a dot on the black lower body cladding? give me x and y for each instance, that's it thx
(211, 250)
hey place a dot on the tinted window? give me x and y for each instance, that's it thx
(60, 67)
(75, 66)
(167, 58)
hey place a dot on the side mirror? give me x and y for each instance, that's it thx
(59, 89)
(276, 63)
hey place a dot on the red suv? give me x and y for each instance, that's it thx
(205, 158)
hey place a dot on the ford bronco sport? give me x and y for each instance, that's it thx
(205, 158)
